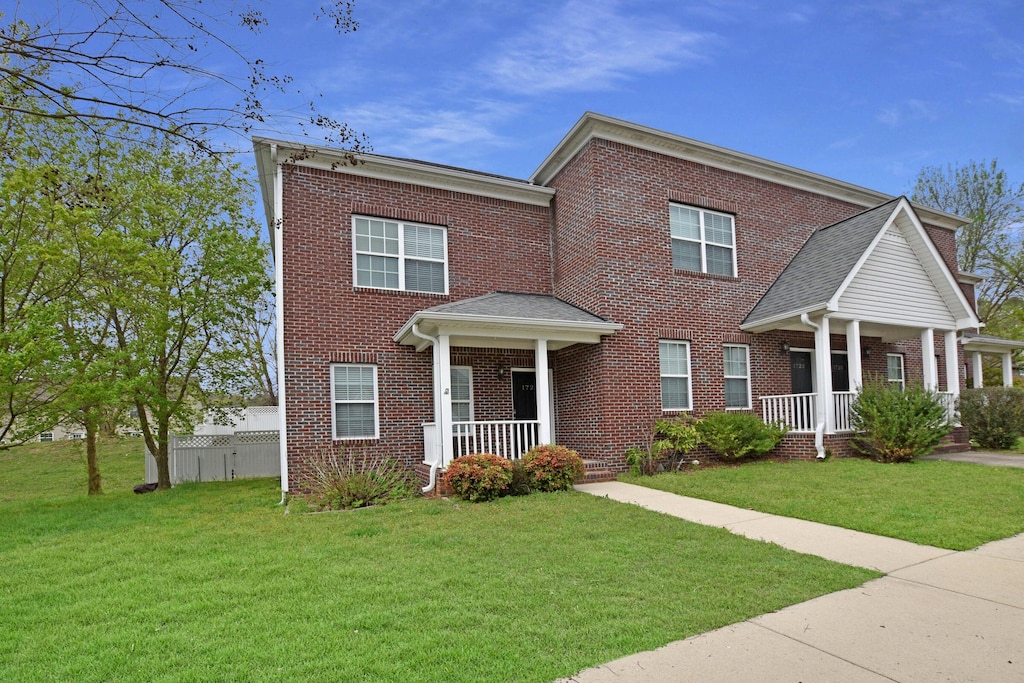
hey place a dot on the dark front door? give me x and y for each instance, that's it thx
(801, 371)
(840, 372)
(524, 395)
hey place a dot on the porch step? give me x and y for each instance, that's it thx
(595, 471)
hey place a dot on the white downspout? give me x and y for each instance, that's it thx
(278, 228)
(819, 431)
(436, 461)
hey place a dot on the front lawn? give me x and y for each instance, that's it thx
(945, 504)
(214, 582)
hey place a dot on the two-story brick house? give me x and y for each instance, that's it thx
(636, 274)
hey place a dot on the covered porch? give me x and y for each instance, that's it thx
(976, 346)
(526, 327)
(876, 276)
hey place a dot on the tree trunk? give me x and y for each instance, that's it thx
(91, 460)
(163, 469)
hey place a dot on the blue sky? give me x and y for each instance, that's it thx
(865, 91)
(868, 92)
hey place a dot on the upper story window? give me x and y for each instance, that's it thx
(702, 240)
(398, 255)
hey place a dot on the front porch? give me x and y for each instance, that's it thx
(799, 412)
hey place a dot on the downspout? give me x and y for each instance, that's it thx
(277, 231)
(436, 461)
(819, 431)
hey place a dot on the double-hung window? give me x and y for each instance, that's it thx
(702, 241)
(354, 397)
(675, 374)
(894, 369)
(398, 255)
(737, 377)
(462, 394)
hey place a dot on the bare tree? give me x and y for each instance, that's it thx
(102, 60)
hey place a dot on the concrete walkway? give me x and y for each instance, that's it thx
(981, 458)
(938, 615)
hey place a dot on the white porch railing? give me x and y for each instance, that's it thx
(507, 438)
(949, 400)
(841, 402)
(795, 411)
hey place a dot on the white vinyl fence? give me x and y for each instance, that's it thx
(221, 457)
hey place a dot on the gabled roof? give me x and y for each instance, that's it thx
(826, 265)
(506, 320)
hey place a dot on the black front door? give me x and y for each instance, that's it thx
(524, 395)
(840, 372)
(801, 372)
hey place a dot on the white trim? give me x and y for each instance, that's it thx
(400, 256)
(688, 376)
(335, 401)
(746, 378)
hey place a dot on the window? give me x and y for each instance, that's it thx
(702, 241)
(395, 255)
(894, 370)
(675, 375)
(462, 394)
(354, 395)
(737, 377)
(46, 436)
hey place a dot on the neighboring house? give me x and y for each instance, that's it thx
(636, 275)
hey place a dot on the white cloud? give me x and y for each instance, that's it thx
(906, 112)
(588, 46)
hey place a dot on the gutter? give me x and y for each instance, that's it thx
(436, 460)
(819, 431)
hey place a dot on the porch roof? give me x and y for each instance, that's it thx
(507, 320)
(832, 257)
(984, 343)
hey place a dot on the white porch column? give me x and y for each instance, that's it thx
(444, 384)
(853, 355)
(823, 373)
(929, 373)
(952, 364)
(543, 390)
(1007, 370)
(978, 380)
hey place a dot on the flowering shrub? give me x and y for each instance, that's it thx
(553, 468)
(479, 477)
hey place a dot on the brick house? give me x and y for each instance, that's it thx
(636, 274)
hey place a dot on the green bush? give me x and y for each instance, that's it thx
(342, 481)
(553, 468)
(520, 484)
(993, 415)
(738, 435)
(479, 477)
(671, 440)
(897, 426)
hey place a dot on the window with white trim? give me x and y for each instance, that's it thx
(399, 255)
(737, 376)
(894, 369)
(702, 240)
(462, 394)
(354, 397)
(46, 436)
(675, 374)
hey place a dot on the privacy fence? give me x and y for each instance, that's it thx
(221, 457)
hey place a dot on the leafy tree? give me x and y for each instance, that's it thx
(106, 57)
(990, 244)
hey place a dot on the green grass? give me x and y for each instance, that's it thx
(945, 504)
(214, 582)
(57, 469)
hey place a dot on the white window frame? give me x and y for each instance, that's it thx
(688, 376)
(335, 401)
(745, 378)
(45, 437)
(400, 256)
(902, 381)
(471, 402)
(702, 239)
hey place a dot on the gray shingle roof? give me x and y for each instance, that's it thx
(822, 264)
(524, 306)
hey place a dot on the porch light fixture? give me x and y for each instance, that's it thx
(867, 352)
(785, 346)
(501, 373)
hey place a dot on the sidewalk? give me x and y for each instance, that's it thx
(938, 615)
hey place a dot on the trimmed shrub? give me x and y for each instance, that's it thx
(553, 468)
(993, 415)
(520, 485)
(738, 435)
(479, 477)
(897, 426)
(342, 481)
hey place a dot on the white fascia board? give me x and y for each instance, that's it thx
(461, 324)
(416, 173)
(593, 125)
(266, 172)
(969, 278)
(770, 323)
